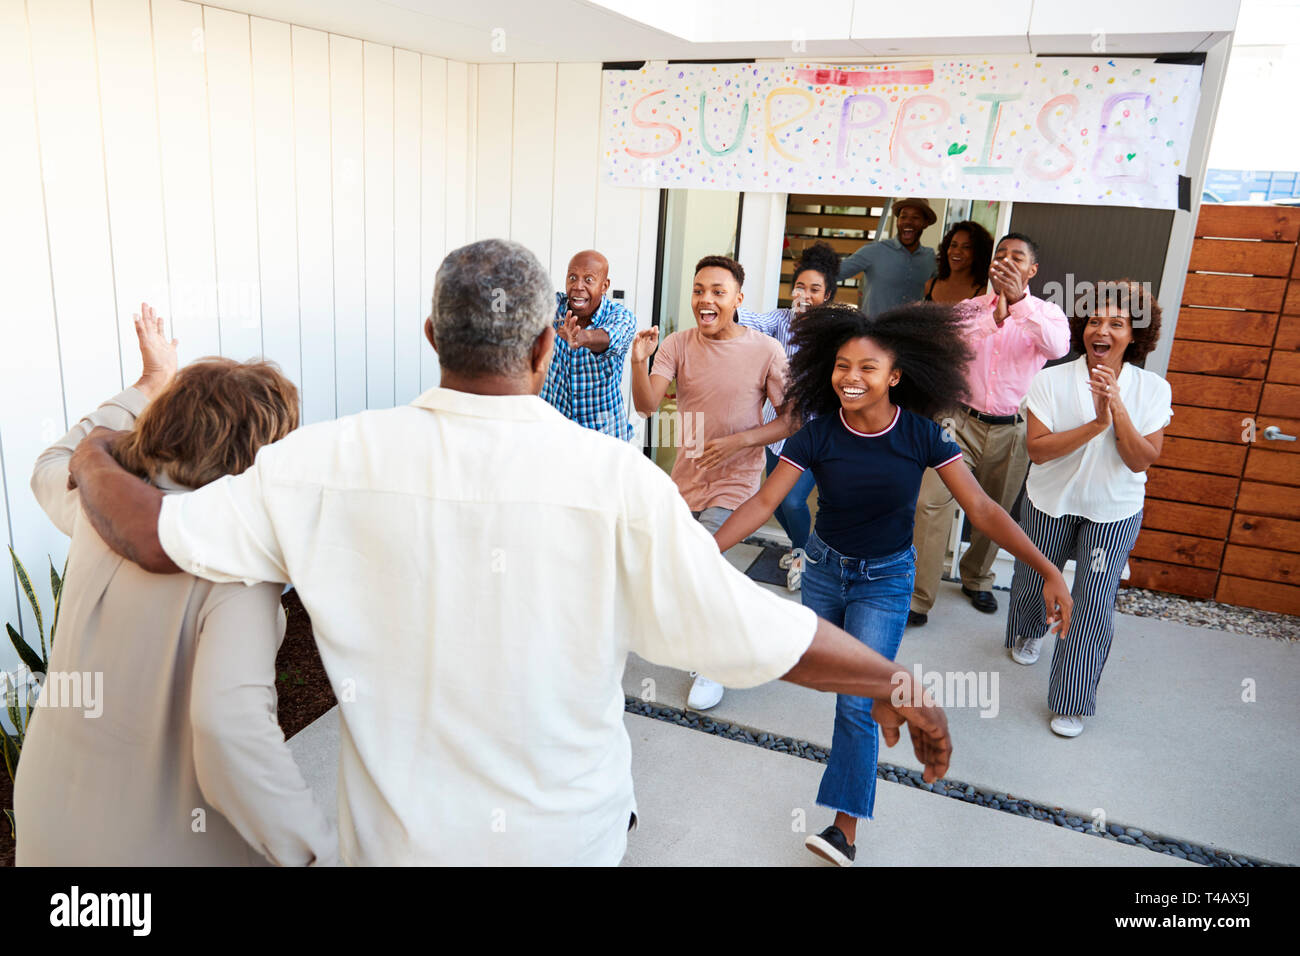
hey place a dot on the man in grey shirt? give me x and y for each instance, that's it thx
(896, 269)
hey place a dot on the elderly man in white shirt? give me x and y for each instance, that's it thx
(436, 546)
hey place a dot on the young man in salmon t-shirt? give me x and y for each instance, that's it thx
(724, 371)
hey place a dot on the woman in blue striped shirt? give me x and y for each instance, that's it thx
(813, 286)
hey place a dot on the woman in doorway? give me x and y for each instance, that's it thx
(813, 286)
(964, 257)
(1095, 425)
(869, 390)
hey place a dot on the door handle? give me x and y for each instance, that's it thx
(1273, 433)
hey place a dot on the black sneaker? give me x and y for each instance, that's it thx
(981, 600)
(831, 845)
(916, 618)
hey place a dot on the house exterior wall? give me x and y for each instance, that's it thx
(273, 191)
(281, 191)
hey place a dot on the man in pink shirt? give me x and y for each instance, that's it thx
(1014, 334)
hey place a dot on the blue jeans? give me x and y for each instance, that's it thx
(792, 513)
(869, 598)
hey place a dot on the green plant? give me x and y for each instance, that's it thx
(20, 709)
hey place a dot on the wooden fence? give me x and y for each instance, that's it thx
(1222, 516)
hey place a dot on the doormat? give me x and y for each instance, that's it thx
(766, 568)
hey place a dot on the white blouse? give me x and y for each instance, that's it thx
(1093, 481)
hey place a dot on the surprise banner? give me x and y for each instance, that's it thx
(1067, 130)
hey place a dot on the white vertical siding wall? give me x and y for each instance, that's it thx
(179, 55)
(273, 191)
(31, 384)
(408, 320)
(573, 224)
(313, 221)
(538, 178)
(378, 221)
(277, 231)
(532, 169)
(435, 228)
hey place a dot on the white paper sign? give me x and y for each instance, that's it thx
(1085, 130)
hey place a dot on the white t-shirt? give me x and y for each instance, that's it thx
(476, 569)
(1093, 481)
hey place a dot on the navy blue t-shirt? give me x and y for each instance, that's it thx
(867, 484)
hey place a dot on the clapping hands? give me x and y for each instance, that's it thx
(1104, 385)
(1007, 281)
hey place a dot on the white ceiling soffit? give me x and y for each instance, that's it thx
(567, 31)
(487, 31)
(1127, 26)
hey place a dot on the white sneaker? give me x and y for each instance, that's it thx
(704, 693)
(794, 576)
(1026, 650)
(1067, 726)
(784, 563)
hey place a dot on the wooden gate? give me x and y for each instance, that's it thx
(1222, 516)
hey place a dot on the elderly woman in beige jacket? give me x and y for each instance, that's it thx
(180, 760)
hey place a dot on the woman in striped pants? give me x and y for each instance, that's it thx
(1095, 426)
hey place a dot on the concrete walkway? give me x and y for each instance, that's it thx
(692, 788)
(706, 801)
(1174, 750)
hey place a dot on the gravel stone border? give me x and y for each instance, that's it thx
(953, 789)
(1221, 617)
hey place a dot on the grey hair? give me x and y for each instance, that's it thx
(491, 299)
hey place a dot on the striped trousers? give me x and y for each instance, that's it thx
(1099, 550)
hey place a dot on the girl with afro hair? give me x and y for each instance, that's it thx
(868, 391)
(812, 285)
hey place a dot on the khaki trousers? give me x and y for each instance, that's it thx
(1000, 460)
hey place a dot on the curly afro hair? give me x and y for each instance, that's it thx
(981, 251)
(1130, 297)
(822, 259)
(925, 339)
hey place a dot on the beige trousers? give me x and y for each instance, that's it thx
(999, 459)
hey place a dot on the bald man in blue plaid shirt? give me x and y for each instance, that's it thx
(592, 335)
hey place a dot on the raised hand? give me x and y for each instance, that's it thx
(1007, 280)
(645, 343)
(1103, 377)
(157, 354)
(568, 330)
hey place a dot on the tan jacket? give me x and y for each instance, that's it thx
(171, 719)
